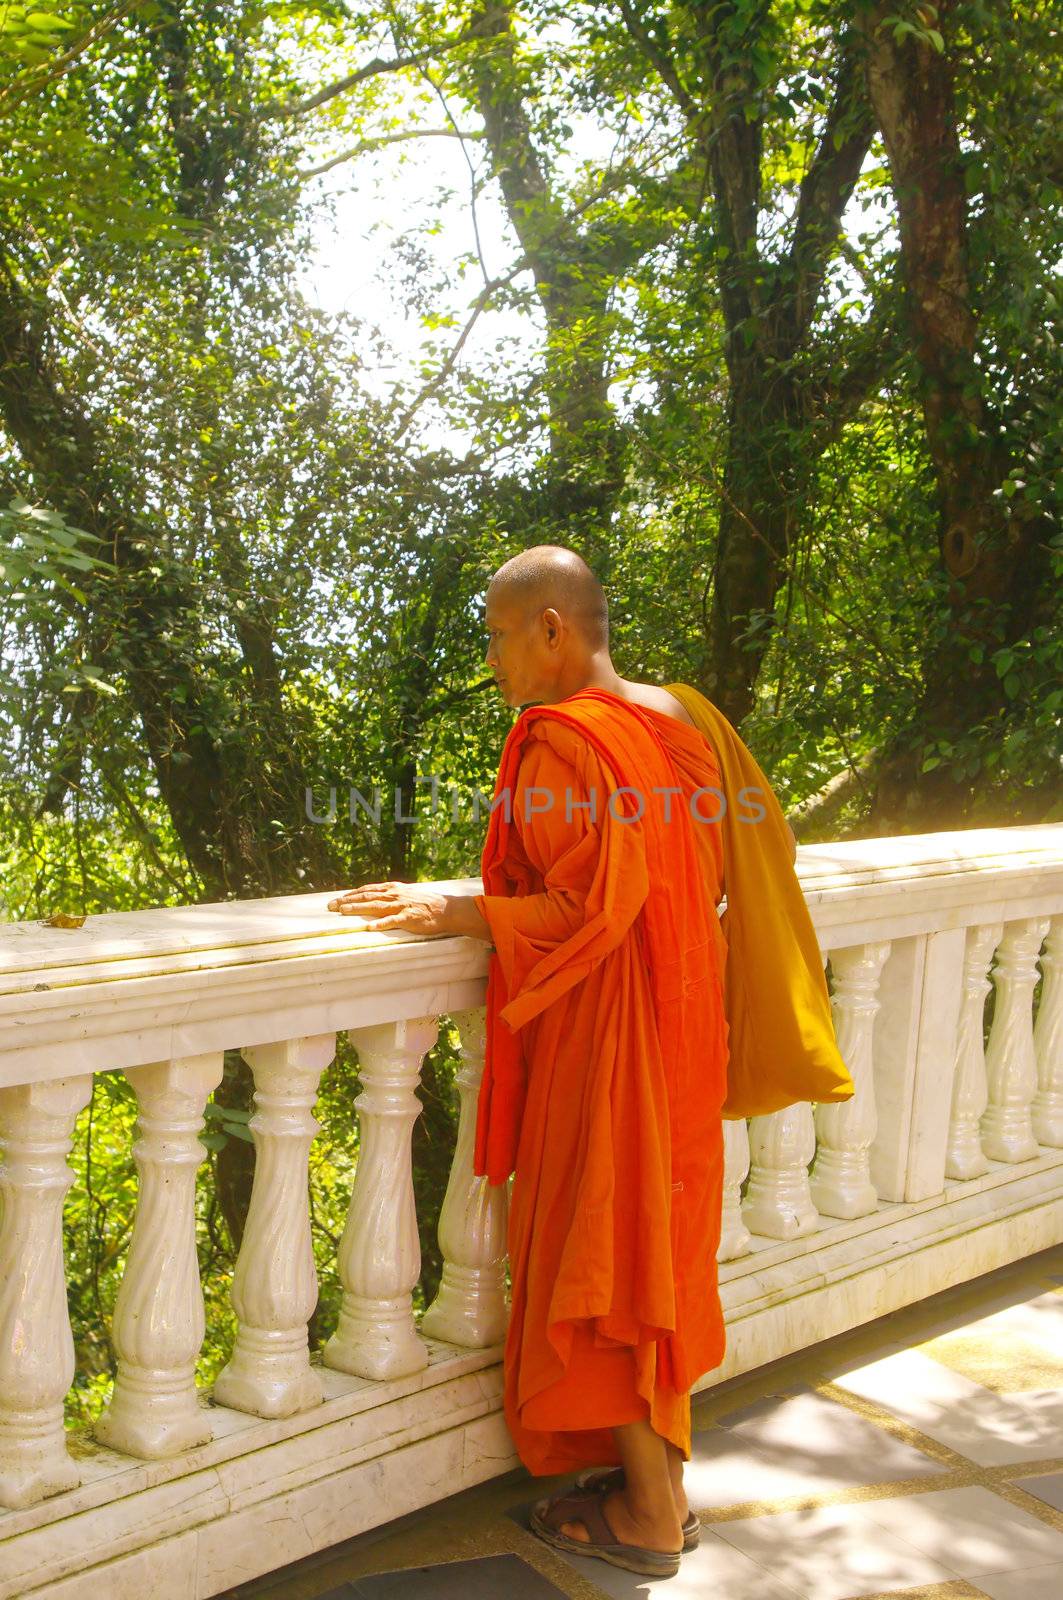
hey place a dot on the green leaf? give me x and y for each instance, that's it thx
(236, 1131)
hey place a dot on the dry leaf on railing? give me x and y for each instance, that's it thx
(61, 919)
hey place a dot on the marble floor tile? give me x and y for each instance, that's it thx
(971, 1529)
(726, 1471)
(1030, 1583)
(1047, 1487)
(1041, 1317)
(832, 1553)
(987, 1428)
(487, 1578)
(1001, 1359)
(1017, 1348)
(818, 1443)
(752, 1409)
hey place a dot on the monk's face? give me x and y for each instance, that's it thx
(524, 651)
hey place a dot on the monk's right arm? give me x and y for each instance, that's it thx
(564, 847)
(530, 929)
(462, 915)
(547, 918)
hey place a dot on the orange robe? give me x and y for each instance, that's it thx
(605, 1073)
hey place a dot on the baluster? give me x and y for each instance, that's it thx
(840, 1182)
(275, 1283)
(470, 1308)
(1048, 1043)
(159, 1319)
(380, 1252)
(965, 1157)
(36, 1346)
(778, 1202)
(734, 1235)
(1011, 1065)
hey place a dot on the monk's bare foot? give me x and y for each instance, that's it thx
(653, 1532)
(682, 1504)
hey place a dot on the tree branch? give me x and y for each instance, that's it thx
(473, 178)
(454, 697)
(660, 57)
(820, 809)
(438, 379)
(523, 264)
(372, 69)
(733, 147)
(614, 244)
(525, 182)
(376, 143)
(825, 192)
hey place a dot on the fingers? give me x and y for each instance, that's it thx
(382, 904)
(385, 918)
(363, 908)
(366, 894)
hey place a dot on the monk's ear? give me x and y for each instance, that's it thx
(553, 626)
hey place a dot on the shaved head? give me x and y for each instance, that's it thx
(548, 575)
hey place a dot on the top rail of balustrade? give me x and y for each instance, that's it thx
(130, 987)
(909, 884)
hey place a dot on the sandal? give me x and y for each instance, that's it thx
(613, 1478)
(586, 1506)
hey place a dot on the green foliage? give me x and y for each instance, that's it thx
(38, 548)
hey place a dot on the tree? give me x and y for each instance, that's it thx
(768, 124)
(995, 548)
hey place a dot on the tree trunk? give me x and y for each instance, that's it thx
(765, 482)
(576, 268)
(775, 406)
(994, 557)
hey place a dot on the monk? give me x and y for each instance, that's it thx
(606, 1060)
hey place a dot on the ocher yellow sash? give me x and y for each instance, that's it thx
(781, 1033)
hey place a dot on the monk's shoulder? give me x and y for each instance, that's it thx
(562, 742)
(549, 735)
(653, 698)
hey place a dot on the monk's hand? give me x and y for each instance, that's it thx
(405, 907)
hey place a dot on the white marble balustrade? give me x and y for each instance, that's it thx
(275, 1285)
(947, 1161)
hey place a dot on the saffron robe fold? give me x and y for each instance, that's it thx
(782, 1048)
(605, 1072)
